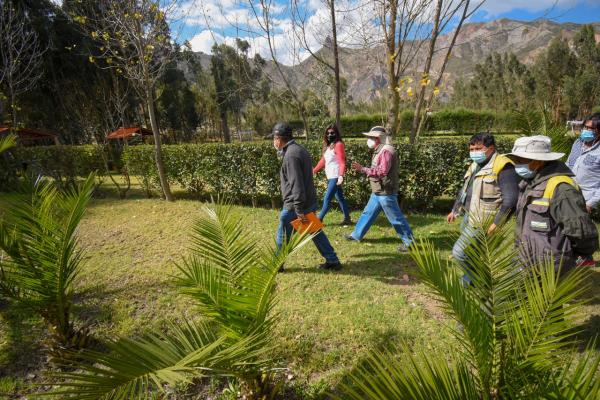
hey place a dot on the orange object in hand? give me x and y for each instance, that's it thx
(312, 224)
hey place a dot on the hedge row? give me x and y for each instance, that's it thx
(456, 120)
(251, 171)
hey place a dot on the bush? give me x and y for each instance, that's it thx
(250, 172)
(63, 163)
(454, 122)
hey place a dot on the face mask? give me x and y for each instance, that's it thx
(523, 171)
(478, 156)
(331, 138)
(371, 143)
(587, 135)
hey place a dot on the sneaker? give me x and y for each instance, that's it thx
(585, 262)
(403, 248)
(351, 238)
(331, 266)
(347, 222)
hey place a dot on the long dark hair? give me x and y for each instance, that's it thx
(338, 137)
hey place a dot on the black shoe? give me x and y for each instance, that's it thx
(347, 222)
(351, 238)
(336, 266)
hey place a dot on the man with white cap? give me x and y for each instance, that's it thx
(552, 220)
(383, 177)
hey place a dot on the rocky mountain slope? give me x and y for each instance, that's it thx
(364, 69)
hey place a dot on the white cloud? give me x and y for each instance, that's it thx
(205, 40)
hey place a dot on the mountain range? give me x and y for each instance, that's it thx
(364, 69)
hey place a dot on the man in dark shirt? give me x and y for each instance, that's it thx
(490, 189)
(298, 192)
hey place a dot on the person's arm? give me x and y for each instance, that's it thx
(575, 153)
(382, 168)
(296, 182)
(594, 200)
(567, 208)
(320, 165)
(340, 155)
(508, 181)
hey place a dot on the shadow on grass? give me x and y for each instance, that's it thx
(588, 331)
(390, 268)
(24, 333)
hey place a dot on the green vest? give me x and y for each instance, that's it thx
(486, 197)
(385, 185)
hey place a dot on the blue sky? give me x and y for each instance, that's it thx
(202, 22)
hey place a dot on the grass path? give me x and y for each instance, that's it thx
(329, 319)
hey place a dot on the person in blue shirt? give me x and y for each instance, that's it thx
(584, 161)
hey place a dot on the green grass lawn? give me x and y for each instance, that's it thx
(329, 320)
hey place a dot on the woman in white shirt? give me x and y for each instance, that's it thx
(334, 161)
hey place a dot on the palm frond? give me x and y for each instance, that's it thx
(139, 368)
(539, 328)
(38, 236)
(7, 142)
(384, 376)
(229, 275)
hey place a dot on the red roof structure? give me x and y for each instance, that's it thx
(123, 133)
(28, 136)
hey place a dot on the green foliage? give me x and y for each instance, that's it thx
(41, 256)
(231, 280)
(62, 163)
(7, 142)
(250, 172)
(514, 338)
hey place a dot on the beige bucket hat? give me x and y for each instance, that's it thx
(376, 131)
(534, 148)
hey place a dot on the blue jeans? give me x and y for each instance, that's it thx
(391, 208)
(334, 189)
(320, 240)
(463, 241)
(458, 250)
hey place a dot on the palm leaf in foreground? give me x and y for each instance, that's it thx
(232, 281)
(514, 337)
(37, 235)
(7, 142)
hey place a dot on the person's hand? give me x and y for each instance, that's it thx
(302, 218)
(491, 229)
(589, 209)
(356, 166)
(340, 180)
(451, 217)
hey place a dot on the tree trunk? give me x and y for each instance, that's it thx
(391, 53)
(336, 62)
(13, 111)
(434, 35)
(162, 176)
(225, 128)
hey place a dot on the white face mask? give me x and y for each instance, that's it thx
(371, 143)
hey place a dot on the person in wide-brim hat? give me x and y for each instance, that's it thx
(552, 220)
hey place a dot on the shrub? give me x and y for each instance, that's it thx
(250, 172)
(63, 163)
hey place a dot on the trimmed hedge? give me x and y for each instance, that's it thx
(250, 172)
(63, 163)
(459, 121)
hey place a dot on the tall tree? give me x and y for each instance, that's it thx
(582, 90)
(20, 55)
(135, 40)
(550, 70)
(402, 23)
(307, 32)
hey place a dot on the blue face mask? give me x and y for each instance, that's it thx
(523, 171)
(587, 135)
(478, 156)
